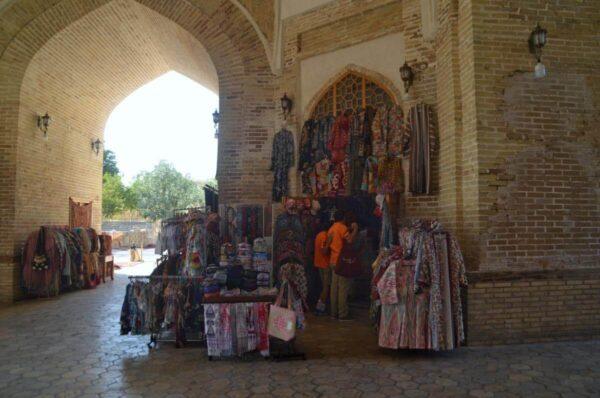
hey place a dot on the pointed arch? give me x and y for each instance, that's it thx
(367, 75)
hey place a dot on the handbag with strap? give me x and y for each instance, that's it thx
(349, 264)
(282, 321)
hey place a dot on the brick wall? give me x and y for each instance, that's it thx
(525, 307)
(538, 182)
(538, 139)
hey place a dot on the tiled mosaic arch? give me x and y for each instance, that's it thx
(353, 88)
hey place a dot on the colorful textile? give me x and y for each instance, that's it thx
(339, 139)
(249, 222)
(421, 145)
(323, 177)
(321, 138)
(308, 180)
(379, 132)
(282, 158)
(429, 274)
(386, 286)
(370, 181)
(234, 329)
(339, 179)
(307, 153)
(389, 132)
(397, 132)
(329, 142)
(292, 276)
(390, 175)
(80, 214)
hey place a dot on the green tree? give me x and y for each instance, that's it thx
(109, 165)
(164, 189)
(113, 195)
(211, 181)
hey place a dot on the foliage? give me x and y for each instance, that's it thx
(113, 195)
(109, 165)
(212, 182)
(164, 189)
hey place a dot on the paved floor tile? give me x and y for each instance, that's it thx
(71, 347)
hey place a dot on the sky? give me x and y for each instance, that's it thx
(169, 119)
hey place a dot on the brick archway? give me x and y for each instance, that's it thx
(32, 190)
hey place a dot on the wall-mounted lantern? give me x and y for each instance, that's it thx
(43, 122)
(407, 75)
(286, 105)
(216, 119)
(96, 144)
(537, 41)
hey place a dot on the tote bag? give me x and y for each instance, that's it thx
(282, 321)
(349, 264)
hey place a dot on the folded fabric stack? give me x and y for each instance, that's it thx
(263, 279)
(227, 254)
(211, 289)
(260, 246)
(249, 281)
(261, 263)
(234, 277)
(220, 276)
(244, 255)
(247, 270)
(210, 270)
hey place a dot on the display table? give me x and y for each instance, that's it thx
(240, 299)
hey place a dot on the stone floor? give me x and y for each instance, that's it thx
(70, 347)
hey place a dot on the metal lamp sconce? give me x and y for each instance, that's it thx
(407, 75)
(286, 105)
(537, 41)
(216, 120)
(96, 144)
(43, 122)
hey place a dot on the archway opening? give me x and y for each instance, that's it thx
(160, 139)
(168, 119)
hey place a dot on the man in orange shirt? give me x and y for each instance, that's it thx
(337, 236)
(321, 261)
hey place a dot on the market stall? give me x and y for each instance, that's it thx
(223, 302)
(359, 154)
(57, 259)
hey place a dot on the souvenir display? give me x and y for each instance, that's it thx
(359, 152)
(58, 259)
(416, 290)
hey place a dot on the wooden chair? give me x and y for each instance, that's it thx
(108, 265)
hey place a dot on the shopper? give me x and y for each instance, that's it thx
(321, 261)
(343, 231)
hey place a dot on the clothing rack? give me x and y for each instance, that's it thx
(169, 277)
(156, 337)
(183, 215)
